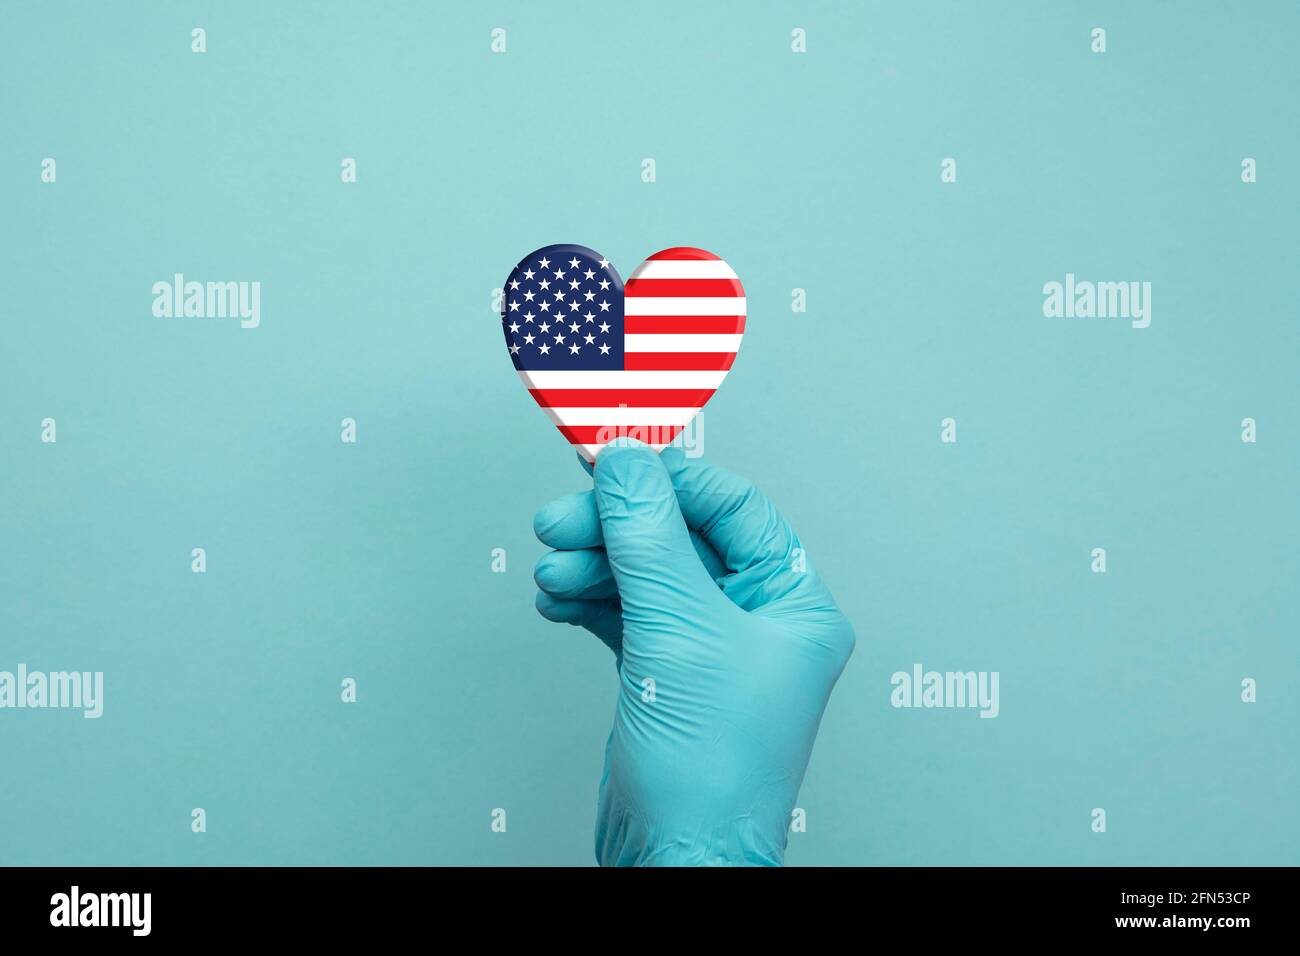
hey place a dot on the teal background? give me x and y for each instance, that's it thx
(818, 171)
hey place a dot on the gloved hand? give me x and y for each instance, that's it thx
(727, 646)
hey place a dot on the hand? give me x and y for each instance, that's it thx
(727, 646)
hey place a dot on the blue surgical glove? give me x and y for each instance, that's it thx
(727, 645)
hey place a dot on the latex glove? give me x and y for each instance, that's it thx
(727, 645)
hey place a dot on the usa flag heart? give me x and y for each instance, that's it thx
(607, 359)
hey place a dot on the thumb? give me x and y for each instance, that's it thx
(655, 565)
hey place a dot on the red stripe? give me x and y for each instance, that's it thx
(614, 397)
(678, 324)
(677, 361)
(683, 252)
(684, 287)
(602, 434)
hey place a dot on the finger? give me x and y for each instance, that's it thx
(569, 523)
(743, 527)
(646, 539)
(583, 574)
(572, 523)
(603, 618)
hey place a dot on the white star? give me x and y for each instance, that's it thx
(544, 327)
(528, 316)
(573, 349)
(573, 307)
(589, 339)
(514, 326)
(604, 306)
(604, 283)
(528, 296)
(514, 306)
(604, 327)
(544, 349)
(528, 273)
(559, 338)
(589, 274)
(604, 350)
(590, 295)
(589, 317)
(545, 283)
(559, 295)
(514, 284)
(514, 350)
(545, 263)
(604, 263)
(559, 273)
(573, 263)
(544, 306)
(528, 340)
(573, 327)
(573, 283)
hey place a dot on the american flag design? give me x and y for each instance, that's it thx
(607, 359)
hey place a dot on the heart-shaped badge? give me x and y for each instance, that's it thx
(606, 359)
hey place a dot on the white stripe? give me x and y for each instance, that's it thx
(622, 416)
(590, 452)
(619, 379)
(684, 305)
(683, 269)
(703, 342)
